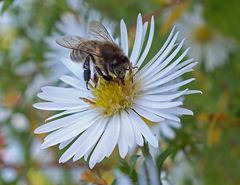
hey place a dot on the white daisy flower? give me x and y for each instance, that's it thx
(207, 45)
(93, 122)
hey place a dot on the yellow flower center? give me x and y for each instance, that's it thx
(202, 34)
(114, 96)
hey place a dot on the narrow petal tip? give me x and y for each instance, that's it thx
(92, 164)
(37, 131)
(43, 146)
(62, 159)
(123, 153)
(122, 22)
(35, 105)
(154, 143)
(152, 18)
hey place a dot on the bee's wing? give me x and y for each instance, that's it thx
(76, 43)
(70, 41)
(99, 32)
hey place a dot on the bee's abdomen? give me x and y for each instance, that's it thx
(77, 55)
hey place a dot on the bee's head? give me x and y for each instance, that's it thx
(119, 66)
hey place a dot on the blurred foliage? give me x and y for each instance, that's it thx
(6, 5)
(209, 140)
(222, 16)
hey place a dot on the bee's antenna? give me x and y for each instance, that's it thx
(136, 67)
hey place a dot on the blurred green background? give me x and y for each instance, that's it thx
(208, 142)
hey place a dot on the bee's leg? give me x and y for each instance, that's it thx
(131, 70)
(105, 77)
(122, 80)
(110, 68)
(95, 79)
(106, 71)
(87, 71)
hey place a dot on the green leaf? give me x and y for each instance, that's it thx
(6, 5)
(133, 161)
(162, 157)
(129, 170)
(124, 167)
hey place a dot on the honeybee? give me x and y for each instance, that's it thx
(108, 58)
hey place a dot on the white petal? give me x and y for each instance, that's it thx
(156, 74)
(142, 179)
(137, 135)
(174, 124)
(122, 179)
(138, 39)
(166, 88)
(65, 143)
(62, 92)
(60, 123)
(87, 154)
(144, 129)
(146, 114)
(168, 116)
(122, 142)
(57, 99)
(193, 92)
(124, 37)
(149, 43)
(70, 131)
(172, 76)
(89, 138)
(59, 106)
(163, 98)
(107, 142)
(74, 82)
(179, 111)
(173, 68)
(183, 64)
(129, 133)
(80, 143)
(168, 132)
(114, 138)
(168, 70)
(145, 26)
(159, 105)
(65, 113)
(152, 172)
(153, 65)
(161, 113)
(75, 68)
(158, 53)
